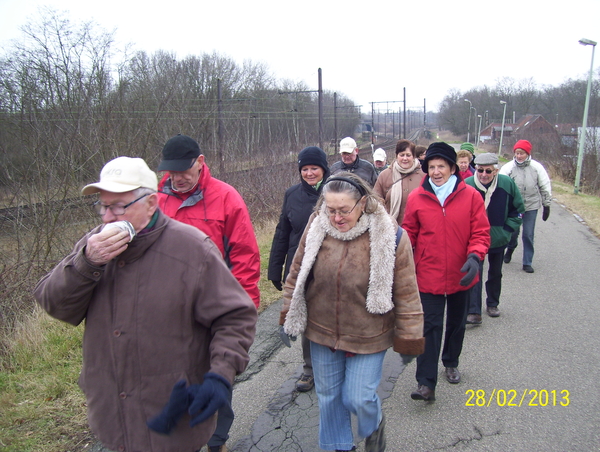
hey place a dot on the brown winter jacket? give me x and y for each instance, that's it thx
(166, 309)
(336, 294)
(383, 187)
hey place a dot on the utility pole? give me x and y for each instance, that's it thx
(220, 129)
(335, 132)
(404, 135)
(320, 110)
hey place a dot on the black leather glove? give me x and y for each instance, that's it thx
(546, 213)
(173, 410)
(285, 338)
(277, 285)
(407, 359)
(471, 267)
(207, 398)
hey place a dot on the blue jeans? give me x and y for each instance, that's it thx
(528, 230)
(346, 385)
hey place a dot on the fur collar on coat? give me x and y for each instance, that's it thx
(382, 239)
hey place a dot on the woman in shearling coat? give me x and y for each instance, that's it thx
(352, 292)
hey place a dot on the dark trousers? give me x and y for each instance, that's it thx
(493, 285)
(456, 317)
(307, 368)
(224, 420)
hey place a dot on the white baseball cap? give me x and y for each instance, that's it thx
(347, 145)
(379, 155)
(123, 174)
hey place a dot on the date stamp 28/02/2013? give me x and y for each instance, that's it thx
(518, 398)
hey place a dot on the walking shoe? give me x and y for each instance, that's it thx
(508, 256)
(375, 442)
(452, 375)
(493, 311)
(423, 393)
(306, 383)
(473, 319)
(340, 450)
(528, 268)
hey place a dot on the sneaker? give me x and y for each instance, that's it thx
(473, 319)
(528, 268)
(305, 383)
(493, 311)
(375, 442)
(508, 256)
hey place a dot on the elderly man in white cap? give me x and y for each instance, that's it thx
(167, 326)
(380, 160)
(352, 163)
(504, 207)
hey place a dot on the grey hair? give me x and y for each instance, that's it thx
(335, 185)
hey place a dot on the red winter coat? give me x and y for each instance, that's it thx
(443, 237)
(218, 210)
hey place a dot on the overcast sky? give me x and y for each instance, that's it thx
(367, 51)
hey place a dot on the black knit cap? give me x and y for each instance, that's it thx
(313, 155)
(439, 150)
(179, 153)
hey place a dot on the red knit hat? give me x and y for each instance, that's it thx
(523, 144)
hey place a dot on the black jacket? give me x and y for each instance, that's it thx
(360, 167)
(298, 204)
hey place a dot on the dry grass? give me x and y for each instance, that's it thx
(586, 207)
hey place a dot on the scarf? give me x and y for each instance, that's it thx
(399, 173)
(524, 162)
(489, 191)
(382, 232)
(444, 190)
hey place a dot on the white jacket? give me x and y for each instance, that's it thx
(532, 180)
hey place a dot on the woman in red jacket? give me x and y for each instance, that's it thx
(449, 230)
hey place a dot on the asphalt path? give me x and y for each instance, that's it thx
(530, 378)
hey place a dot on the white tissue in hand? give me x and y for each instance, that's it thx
(123, 226)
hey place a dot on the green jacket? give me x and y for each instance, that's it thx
(504, 210)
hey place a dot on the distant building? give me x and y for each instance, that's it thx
(533, 128)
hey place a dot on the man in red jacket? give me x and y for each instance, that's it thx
(189, 193)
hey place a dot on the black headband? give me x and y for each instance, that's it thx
(360, 188)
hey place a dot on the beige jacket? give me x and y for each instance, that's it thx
(337, 313)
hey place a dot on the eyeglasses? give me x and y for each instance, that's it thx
(116, 209)
(487, 170)
(341, 213)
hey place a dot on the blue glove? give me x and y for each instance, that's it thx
(285, 338)
(407, 359)
(471, 267)
(208, 397)
(173, 410)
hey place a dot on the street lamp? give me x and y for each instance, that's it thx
(584, 42)
(469, 126)
(502, 130)
(479, 132)
(475, 117)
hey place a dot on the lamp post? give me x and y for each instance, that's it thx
(502, 130)
(469, 126)
(584, 42)
(475, 117)
(479, 132)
